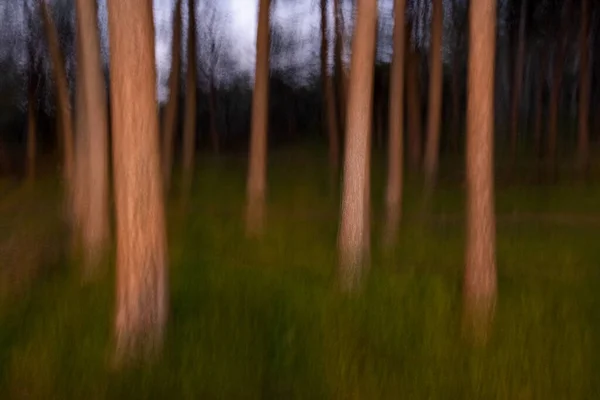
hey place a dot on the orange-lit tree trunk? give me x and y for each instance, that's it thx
(435, 96)
(352, 240)
(189, 123)
(96, 228)
(62, 93)
(393, 198)
(329, 97)
(257, 168)
(413, 106)
(170, 119)
(517, 82)
(557, 76)
(31, 124)
(480, 269)
(584, 90)
(141, 306)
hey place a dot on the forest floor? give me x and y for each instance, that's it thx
(263, 319)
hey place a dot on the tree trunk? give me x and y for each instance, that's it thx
(212, 105)
(329, 99)
(257, 169)
(584, 91)
(435, 96)
(396, 127)
(455, 141)
(141, 243)
(96, 233)
(539, 106)
(62, 93)
(413, 106)
(352, 240)
(31, 125)
(189, 123)
(517, 82)
(557, 76)
(170, 119)
(340, 72)
(480, 269)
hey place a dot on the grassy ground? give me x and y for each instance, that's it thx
(262, 319)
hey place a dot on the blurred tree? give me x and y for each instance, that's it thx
(189, 124)
(396, 128)
(257, 168)
(141, 309)
(329, 110)
(435, 96)
(413, 103)
(518, 80)
(480, 269)
(354, 224)
(584, 89)
(170, 118)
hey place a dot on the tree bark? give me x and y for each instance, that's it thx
(170, 119)
(329, 99)
(413, 93)
(517, 82)
(257, 169)
(435, 96)
(480, 269)
(353, 238)
(141, 306)
(96, 233)
(189, 123)
(396, 128)
(31, 125)
(62, 93)
(557, 76)
(584, 90)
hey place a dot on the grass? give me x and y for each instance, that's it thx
(263, 319)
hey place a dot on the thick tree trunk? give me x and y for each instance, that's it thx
(31, 127)
(329, 99)
(413, 106)
(557, 76)
(189, 123)
(214, 133)
(62, 94)
(393, 198)
(584, 91)
(170, 119)
(353, 238)
(480, 269)
(257, 169)
(435, 96)
(141, 243)
(517, 82)
(96, 232)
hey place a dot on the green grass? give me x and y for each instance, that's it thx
(263, 319)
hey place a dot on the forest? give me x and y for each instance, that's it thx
(337, 199)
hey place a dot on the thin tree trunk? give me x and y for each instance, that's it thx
(329, 99)
(170, 119)
(340, 72)
(557, 76)
(257, 169)
(539, 106)
(435, 97)
(353, 238)
(189, 123)
(96, 233)
(584, 91)
(413, 106)
(396, 127)
(141, 241)
(517, 82)
(455, 104)
(212, 105)
(62, 93)
(480, 269)
(31, 126)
